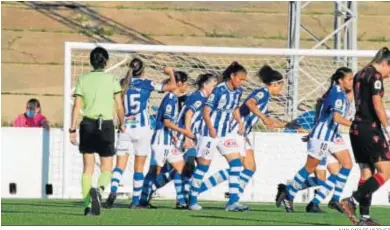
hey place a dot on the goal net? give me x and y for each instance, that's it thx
(307, 78)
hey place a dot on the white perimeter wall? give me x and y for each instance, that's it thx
(31, 158)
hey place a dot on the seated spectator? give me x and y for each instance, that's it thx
(32, 117)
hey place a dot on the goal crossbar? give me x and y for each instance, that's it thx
(221, 50)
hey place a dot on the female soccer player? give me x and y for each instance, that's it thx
(95, 92)
(252, 110)
(136, 93)
(189, 118)
(369, 144)
(329, 163)
(218, 113)
(325, 139)
(163, 138)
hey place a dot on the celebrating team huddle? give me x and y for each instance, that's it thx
(212, 119)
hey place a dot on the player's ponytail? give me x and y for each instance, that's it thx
(98, 58)
(232, 69)
(204, 79)
(383, 54)
(269, 75)
(136, 68)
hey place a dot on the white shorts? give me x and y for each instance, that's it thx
(164, 153)
(245, 145)
(135, 140)
(320, 149)
(330, 159)
(225, 145)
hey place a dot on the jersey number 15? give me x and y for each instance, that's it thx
(132, 103)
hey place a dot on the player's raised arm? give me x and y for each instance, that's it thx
(170, 85)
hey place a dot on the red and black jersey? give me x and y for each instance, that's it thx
(367, 83)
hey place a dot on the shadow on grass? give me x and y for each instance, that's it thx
(45, 204)
(43, 212)
(275, 210)
(258, 220)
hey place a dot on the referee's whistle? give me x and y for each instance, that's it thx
(100, 118)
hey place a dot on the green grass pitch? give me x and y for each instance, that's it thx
(70, 212)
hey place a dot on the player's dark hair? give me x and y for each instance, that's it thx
(34, 103)
(339, 74)
(136, 68)
(269, 75)
(232, 69)
(180, 76)
(204, 79)
(383, 54)
(98, 58)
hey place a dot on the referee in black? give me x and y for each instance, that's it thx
(369, 144)
(96, 92)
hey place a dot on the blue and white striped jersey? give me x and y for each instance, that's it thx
(194, 102)
(168, 110)
(136, 101)
(222, 102)
(249, 119)
(326, 128)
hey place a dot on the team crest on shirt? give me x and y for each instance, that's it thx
(198, 104)
(378, 84)
(376, 139)
(339, 103)
(169, 108)
(260, 95)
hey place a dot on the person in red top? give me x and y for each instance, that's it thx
(32, 117)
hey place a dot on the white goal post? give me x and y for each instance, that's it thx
(314, 71)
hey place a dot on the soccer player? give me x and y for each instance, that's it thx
(163, 140)
(325, 139)
(252, 110)
(95, 92)
(189, 118)
(329, 163)
(218, 113)
(136, 93)
(369, 144)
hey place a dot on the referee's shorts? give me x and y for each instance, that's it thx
(93, 140)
